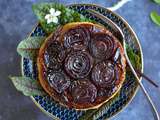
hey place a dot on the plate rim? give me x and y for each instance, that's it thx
(132, 32)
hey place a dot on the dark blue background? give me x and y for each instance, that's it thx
(17, 20)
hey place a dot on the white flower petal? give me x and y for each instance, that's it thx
(47, 16)
(49, 21)
(55, 20)
(52, 11)
(57, 13)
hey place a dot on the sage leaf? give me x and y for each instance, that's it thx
(27, 86)
(155, 17)
(157, 1)
(133, 57)
(67, 15)
(29, 47)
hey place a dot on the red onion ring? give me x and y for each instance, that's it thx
(102, 45)
(83, 91)
(78, 64)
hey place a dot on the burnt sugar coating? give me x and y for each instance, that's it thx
(76, 65)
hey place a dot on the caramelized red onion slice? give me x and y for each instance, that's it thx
(105, 74)
(102, 45)
(58, 80)
(78, 64)
(106, 92)
(54, 55)
(78, 36)
(83, 91)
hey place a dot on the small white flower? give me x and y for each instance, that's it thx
(53, 16)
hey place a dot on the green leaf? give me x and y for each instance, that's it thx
(155, 17)
(27, 86)
(133, 57)
(67, 15)
(157, 1)
(29, 47)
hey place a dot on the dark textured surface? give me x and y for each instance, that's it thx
(17, 20)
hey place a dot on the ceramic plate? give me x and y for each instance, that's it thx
(113, 106)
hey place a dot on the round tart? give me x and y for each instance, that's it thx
(81, 65)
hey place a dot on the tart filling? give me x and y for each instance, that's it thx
(77, 68)
(78, 64)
